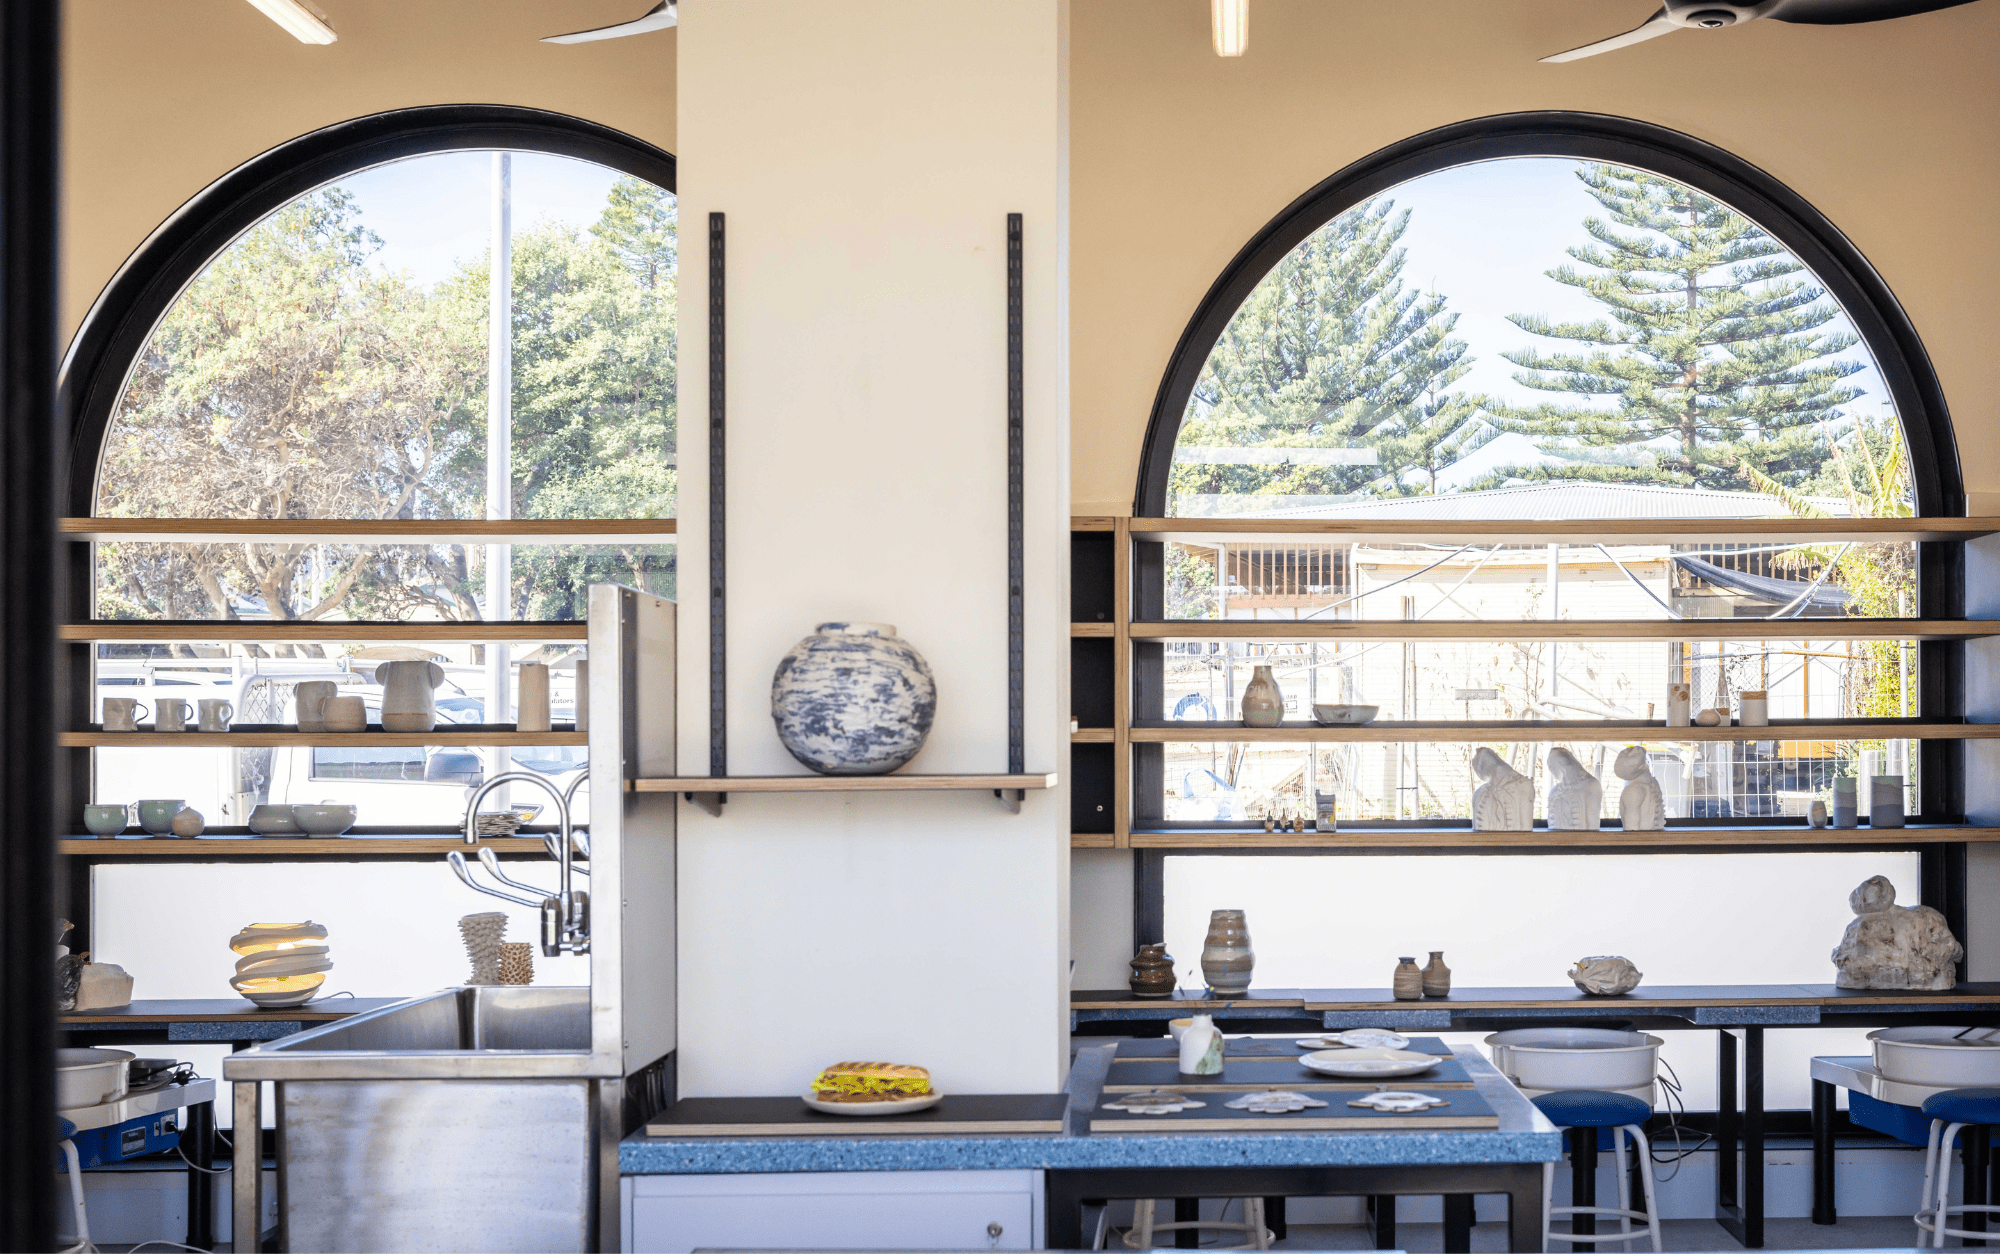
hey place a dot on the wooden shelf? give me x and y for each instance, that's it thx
(1564, 730)
(1092, 736)
(1374, 629)
(1102, 631)
(843, 783)
(225, 848)
(1647, 531)
(232, 631)
(1449, 838)
(443, 734)
(367, 530)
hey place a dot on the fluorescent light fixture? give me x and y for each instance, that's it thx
(306, 26)
(1229, 22)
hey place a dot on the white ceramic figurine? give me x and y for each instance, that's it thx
(1576, 799)
(1642, 806)
(1506, 801)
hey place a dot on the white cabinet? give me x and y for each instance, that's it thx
(881, 1210)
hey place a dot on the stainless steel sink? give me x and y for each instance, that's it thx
(463, 1120)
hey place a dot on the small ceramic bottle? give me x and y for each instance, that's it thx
(1263, 704)
(1437, 976)
(1152, 972)
(1201, 1048)
(1408, 982)
(1226, 956)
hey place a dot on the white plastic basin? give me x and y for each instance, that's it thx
(90, 1077)
(1938, 1056)
(1561, 1059)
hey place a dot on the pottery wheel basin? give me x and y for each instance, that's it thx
(1942, 1056)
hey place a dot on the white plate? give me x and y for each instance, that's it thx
(906, 1106)
(1369, 1064)
(1358, 1038)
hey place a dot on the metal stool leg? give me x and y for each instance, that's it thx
(1624, 1181)
(1644, 1150)
(1926, 1215)
(1548, 1203)
(70, 1160)
(1941, 1213)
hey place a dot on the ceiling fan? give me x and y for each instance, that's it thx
(1714, 14)
(659, 17)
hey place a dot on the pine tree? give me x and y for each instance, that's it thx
(1330, 351)
(1712, 350)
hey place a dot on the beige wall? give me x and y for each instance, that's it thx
(161, 99)
(1180, 155)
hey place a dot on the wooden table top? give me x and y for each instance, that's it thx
(227, 1010)
(1553, 997)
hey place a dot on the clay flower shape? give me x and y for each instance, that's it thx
(1400, 1101)
(1155, 1103)
(1274, 1102)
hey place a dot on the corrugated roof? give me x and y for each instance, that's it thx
(1559, 501)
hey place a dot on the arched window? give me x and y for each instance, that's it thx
(1533, 368)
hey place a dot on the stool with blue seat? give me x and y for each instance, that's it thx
(1584, 1112)
(1952, 1112)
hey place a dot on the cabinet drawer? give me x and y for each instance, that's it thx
(886, 1210)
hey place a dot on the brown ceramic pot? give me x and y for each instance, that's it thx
(1152, 972)
(1437, 976)
(1226, 956)
(1408, 982)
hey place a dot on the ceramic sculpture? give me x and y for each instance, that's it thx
(517, 962)
(853, 699)
(1642, 806)
(281, 964)
(1506, 801)
(1152, 972)
(187, 822)
(1606, 975)
(483, 933)
(1263, 704)
(1576, 799)
(409, 695)
(1226, 956)
(1892, 946)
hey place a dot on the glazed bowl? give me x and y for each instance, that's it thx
(273, 820)
(1345, 715)
(323, 820)
(106, 820)
(1177, 1026)
(157, 817)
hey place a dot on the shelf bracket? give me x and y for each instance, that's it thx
(1011, 798)
(709, 801)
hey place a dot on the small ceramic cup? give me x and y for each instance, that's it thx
(1753, 707)
(214, 714)
(170, 714)
(106, 820)
(310, 700)
(345, 714)
(123, 713)
(157, 817)
(271, 820)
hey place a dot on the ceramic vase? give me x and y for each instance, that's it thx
(1753, 707)
(1152, 972)
(1201, 1048)
(1885, 801)
(1437, 976)
(853, 699)
(1408, 982)
(1679, 705)
(531, 707)
(409, 695)
(1846, 813)
(1226, 956)
(1263, 704)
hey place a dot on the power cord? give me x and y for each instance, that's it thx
(1671, 1087)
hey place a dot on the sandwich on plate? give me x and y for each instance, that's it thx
(871, 1082)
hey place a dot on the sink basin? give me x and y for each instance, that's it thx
(461, 1120)
(1943, 1057)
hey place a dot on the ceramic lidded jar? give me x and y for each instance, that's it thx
(1263, 704)
(1152, 972)
(1226, 956)
(853, 699)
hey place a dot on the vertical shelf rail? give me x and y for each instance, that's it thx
(718, 408)
(1017, 758)
(1121, 679)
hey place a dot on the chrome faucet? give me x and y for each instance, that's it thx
(566, 915)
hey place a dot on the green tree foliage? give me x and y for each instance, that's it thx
(1710, 345)
(1332, 351)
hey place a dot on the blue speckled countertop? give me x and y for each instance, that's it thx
(1524, 1136)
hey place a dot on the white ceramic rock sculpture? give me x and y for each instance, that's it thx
(1576, 799)
(1606, 975)
(1505, 802)
(853, 699)
(1892, 946)
(1642, 805)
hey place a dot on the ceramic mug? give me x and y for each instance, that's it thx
(170, 714)
(157, 817)
(122, 713)
(215, 714)
(344, 714)
(106, 820)
(311, 698)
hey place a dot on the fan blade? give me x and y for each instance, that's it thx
(1847, 12)
(1653, 27)
(659, 17)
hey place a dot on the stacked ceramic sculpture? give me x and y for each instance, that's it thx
(517, 963)
(280, 964)
(482, 933)
(853, 699)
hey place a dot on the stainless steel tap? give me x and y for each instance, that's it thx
(566, 915)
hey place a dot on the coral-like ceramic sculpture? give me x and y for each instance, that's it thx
(282, 964)
(482, 933)
(1576, 799)
(1505, 802)
(517, 962)
(1642, 806)
(853, 699)
(1892, 946)
(1606, 975)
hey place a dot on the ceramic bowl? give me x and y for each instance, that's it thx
(271, 820)
(103, 820)
(1345, 715)
(1369, 1064)
(1178, 1026)
(323, 820)
(157, 817)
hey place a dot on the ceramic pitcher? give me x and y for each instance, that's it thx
(409, 700)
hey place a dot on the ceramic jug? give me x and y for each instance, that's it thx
(1263, 704)
(1201, 1048)
(409, 701)
(1152, 972)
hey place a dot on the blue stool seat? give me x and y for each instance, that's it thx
(1590, 1108)
(1976, 1106)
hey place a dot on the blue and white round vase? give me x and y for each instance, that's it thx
(853, 699)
